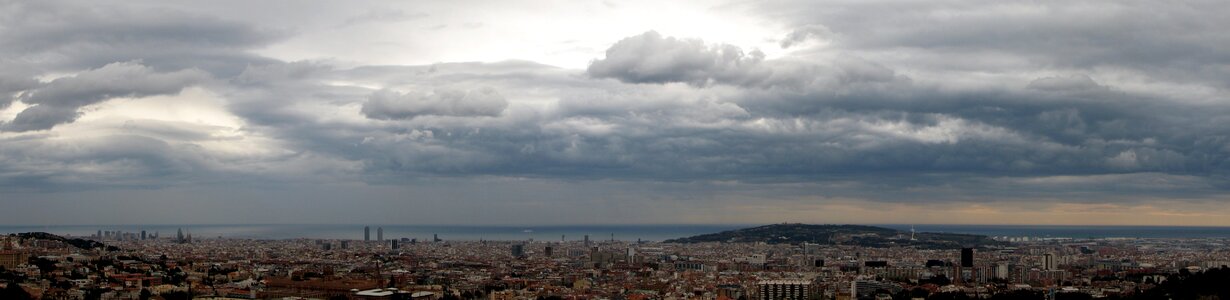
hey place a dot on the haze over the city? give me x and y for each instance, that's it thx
(614, 112)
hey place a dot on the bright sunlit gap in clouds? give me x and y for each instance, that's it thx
(567, 34)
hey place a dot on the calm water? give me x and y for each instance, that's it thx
(597, 232)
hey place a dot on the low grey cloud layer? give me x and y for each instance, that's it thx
(386, 104)
(59, 100)
(944, 104)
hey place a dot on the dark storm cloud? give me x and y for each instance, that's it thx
(1061, 130)
(872, 119)
(386, 104)
(652, 58)
(13, 83)
(94, 162)
(1174, 41)
(64, 36)
(875, 123)
(805, 33)
(121, 52)
(58, 101)
(948, 101)
(1074, 83)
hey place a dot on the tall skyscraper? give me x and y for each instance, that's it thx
(380, 234)
(367, 233)
(967, 257)
(1001, 270)
(1049, 263)
(394, 245)
(548, 252)
(179, 235)
(518, 250)
(586, 240)
(143, 235)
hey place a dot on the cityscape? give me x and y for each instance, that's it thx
(614, 150)
(144, 265)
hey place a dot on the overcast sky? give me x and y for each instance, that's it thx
(615, 112)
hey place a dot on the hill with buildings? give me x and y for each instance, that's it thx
(75, 242)
(861, 235)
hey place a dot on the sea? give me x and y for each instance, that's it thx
(594, 232)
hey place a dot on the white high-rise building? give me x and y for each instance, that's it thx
(1049, 263)
(1001, 270)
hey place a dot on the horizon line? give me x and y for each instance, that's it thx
(614, 225)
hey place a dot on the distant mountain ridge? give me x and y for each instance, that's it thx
(830, 234)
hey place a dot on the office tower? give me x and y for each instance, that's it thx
(1049, 263)
(143, 235)
(561, 238)
(326, 246)
(784, 289)
(394, 245)
(967, 257)
(100, 236)
(380, 234)
(586, 240)
(548, 251)
(435, 238)
(367, 233)
(518, 250)
(179, 235)
(345, 244)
